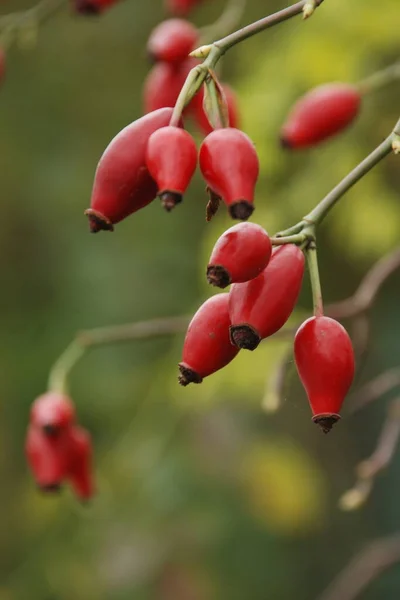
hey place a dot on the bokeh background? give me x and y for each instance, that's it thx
(201, 495)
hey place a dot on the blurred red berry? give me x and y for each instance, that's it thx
(122, 183)
(229, 164)
(171, 160)
(172, 41)
(240, 254)
(47, 457)
(207, 347)
(321, 113)
(79, 470)
(52, 412)
(163, 84)
(261, 306)
(325, 362)
(2, 64)
(181, 8)
(201, 117)
(92, 7)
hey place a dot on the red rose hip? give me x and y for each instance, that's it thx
(163, 84)
(52, 412)
(229, 164)
(325, 362)
(207, 347)
(2, 64)
(172, 41)
(323, 112)
(240, 254)
(122, 183)
(261, 306)
(79, 463)
(181, 7)
(46, 456)
(171, 159)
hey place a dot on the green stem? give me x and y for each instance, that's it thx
(109, 335)
(297, 239)
(379, 79)
(311, 253)
(191, 86)
(228, 20)
(217, 117)
(11, 23)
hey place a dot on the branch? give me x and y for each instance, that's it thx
(374, 389)
(364, 568)
(12, 24)
(379, 79)
(228, 20)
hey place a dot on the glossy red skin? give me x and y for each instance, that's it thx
(233, 110)
(229, 164)
(243, 251)
(323, 112)
(52, 411)
(122, 183)
(163, 84)
(47, 457)
(2, 64)
(80, 463)
(266, 302)
(181, 7)
(171, 159)
(92, 7)
(325, 362)
(172, 41)
(207, 347)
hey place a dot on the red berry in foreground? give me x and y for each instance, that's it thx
(325, 362)
(122, 183)
(320, 114)
(171, 160)
(229, 164)
(92, 7)
(172, 41)
(260, 307)
(79, 463)
(46, 456)
(181, 7)
(207, 347)
(52, 412)
(240, 254)
(201, 117)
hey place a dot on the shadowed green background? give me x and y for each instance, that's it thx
(201, 495)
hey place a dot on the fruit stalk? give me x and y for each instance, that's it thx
(311, 253)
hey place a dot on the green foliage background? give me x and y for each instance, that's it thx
(201, 495)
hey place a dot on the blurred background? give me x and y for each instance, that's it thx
(201, 495)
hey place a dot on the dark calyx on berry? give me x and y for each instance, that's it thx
(188, 375)
(285, 143)
(326, 422)
(241, 210)
(86, 7)
(218, 276)
(50, 488)
(244, 336)
(50, 430)
(170, 199)
(97, 221)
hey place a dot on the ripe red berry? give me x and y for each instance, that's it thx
(172, 41)
(122, 183)
(201, 117)
(46, 456)
(325, 362)
(181, 7)
(171, 160)
(2, 64)
(163, 84)
(261, 306)
(229, 164)
(52, 412)
(240, 254)
(79, 463)
(207, 347)
(323, 112)
(92, 7)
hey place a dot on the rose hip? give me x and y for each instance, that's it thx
(181, 7)
(207, 347)
(122, 183)
(171, 160)
(172, 41)
(79, 463)
(2, 64)
(321, 113)
(229, 164)
(325, 362)
(52, 412)
(260, 307)
(163, 84)
(240, 254)
(47, 458)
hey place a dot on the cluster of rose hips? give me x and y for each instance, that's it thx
(57, 449)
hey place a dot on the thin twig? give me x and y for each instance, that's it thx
(364, 568)
(275, 384)
(374, 389)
